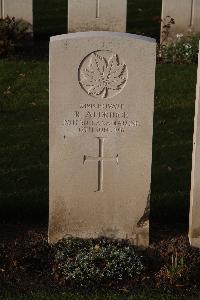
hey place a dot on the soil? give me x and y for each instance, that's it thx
(26, 262)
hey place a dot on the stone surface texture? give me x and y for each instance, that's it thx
(97, 15)
(101, 127)
(194, 231)
(20, 9)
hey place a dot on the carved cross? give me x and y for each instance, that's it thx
(97, 9)
(100, 159)
(191, 14)
(1, 9)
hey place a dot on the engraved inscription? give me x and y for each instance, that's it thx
(102, 74)
(100, 159)
(101, 118)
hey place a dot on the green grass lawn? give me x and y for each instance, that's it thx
(172, 149)
(24, 141)
(50, 17)
(143, 17)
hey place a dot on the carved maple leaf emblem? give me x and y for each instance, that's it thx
(103, 75)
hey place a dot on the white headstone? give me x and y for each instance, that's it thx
(196, 16)
(194, 231)
(97, 15)
(181, 12)
(101, 127)
(20, 9)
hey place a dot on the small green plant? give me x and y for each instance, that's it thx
(175, 274)
(183, 50)
(96, 261)
(12, 34)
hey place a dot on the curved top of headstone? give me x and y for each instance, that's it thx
(96, 34)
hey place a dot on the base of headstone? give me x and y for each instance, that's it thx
(195, 242)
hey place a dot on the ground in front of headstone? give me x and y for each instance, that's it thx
(27, 265)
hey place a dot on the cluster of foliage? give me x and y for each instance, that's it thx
(174, 274)
(96, 261)
(180, 265)
(13, 32)
(182, 50)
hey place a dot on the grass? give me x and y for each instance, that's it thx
(51, 19)
(24, 141)
(144, 17)
(172, 149)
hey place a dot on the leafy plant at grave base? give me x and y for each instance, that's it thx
(13, 32)
(96, 261)
(183, 50)
(174, 275)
